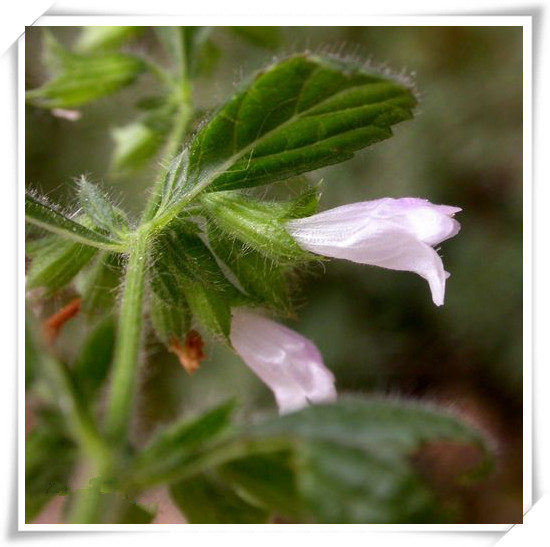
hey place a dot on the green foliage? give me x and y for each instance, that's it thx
(100, 210)
(169, 321)
(49, 218)
(92, 366)
(49, 460)
(204, 499)
(98, 284)
(300, 114)
(57, 263)
(83, 77)
(185, 272)
(347, 462)
(93, 39)
(177, 446)
(204, 247)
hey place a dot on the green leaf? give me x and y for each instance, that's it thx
(269, 479)
(348, 485)
(135, 144)
(138, 142)
(177, 446)
(205, 499)
(348, 462)
(49, 460)
(93, 363)
(100, 210)
(399, 425)
(57, 263)
(169, 321)
(184, 272)
(266, 37)
(47, 217)
(300, 114)
(83, 78)
(98, 38)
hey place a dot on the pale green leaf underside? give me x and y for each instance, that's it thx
(300, 114)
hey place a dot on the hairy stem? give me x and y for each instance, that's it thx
(127, 349)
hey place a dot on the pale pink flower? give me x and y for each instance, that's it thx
(289, 364)
(71, 115)
(398, 234)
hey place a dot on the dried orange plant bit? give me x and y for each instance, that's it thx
(190, 355)
(53, 325)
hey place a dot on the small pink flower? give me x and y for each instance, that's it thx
(289, 364)
(397, 234)
(71, 115)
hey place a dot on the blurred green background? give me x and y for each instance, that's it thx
(378, 330)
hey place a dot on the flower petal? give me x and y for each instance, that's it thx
(289, 364)
(391, 233)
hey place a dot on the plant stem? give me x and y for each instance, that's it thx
(127, 349)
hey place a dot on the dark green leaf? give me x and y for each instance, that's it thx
(184, 272)
(98, 38)
(300, 114)
(399, 425)
(92, 365)
(348, 485)
(172, 448)
(266, 37)
(99, 208)
(270, 479)
(83, 78)
(47, 217)
(57, 263)
(49, 460)
(204, 499)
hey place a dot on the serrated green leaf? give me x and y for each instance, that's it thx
(348, 462)
(300, 114)
(57, 263)
(82, 78)
(93, 39)
(47, 217)
(266, 37)
(176, 446)
(100, 210)
(205, 499)
(399, 425)
(49, 460)
(92, 365)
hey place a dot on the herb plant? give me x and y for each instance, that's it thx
(212, 253)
